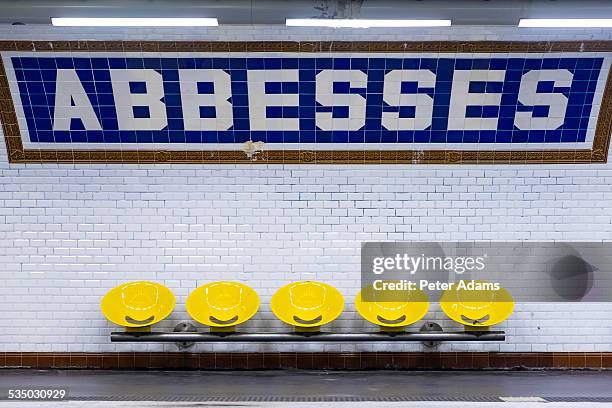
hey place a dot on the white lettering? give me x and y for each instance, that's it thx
(356, 104)
(126, 101)
(423, 103)
(556, 102)
(219, 99)
(259, 100)
(71, 102)
(461, 98)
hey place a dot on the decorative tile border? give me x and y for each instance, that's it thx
(18, 154)
(309, 361)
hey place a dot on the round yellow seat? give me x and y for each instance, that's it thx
(477, 307)
(137, 304)
(222, 304)
(307, 304)
(391, 314)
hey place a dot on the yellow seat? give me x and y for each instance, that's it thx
(391, 314)
(137, 304)
(222, 304)
(307, 304)
(477, 307)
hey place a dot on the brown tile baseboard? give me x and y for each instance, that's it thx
(310, 361)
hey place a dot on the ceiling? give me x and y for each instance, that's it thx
(478, 12)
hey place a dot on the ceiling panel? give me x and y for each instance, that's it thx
(490, 12)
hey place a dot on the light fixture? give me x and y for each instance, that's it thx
(363, 23)
(133, 22)
(565, 22)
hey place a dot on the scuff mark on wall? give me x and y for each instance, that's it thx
(251, 149)
(339, 8)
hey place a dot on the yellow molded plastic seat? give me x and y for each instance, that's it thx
(137, 304)
(222, 304)
(388, 314)
(307, 304)
(477, 308)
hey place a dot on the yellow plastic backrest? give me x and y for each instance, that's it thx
(479, 307)
(222, 304)
(137, 304)
(307, 303)
(395, 313)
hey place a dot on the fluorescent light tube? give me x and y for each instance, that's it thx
(133, 22)
(566, 22)
(363, 23)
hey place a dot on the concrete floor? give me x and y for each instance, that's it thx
(118, 404)
(313, 389)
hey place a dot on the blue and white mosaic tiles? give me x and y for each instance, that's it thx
(306, 101)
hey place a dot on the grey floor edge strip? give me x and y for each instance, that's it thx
(329, 398)
(578, 399)
(204, 398)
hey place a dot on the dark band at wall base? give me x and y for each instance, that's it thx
(309, 361)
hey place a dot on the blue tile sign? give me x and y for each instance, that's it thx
(343, 102)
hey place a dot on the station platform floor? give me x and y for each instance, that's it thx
(305, 389)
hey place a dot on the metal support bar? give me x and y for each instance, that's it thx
(158, 337)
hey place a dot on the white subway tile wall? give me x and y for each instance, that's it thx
(68, 233)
